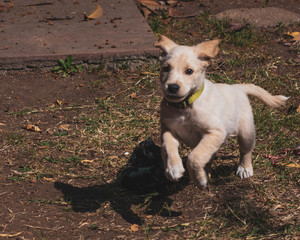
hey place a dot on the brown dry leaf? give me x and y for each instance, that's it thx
(86, 161)
(42, 147)
(293, 165)
(295, 35)
(133, 95)
(153, 5)
(31, 127)
(49, 179)
(149, 3)
(134, 227)
(2, 124)
(94, 15)
(146, 12)
(63, 128)
(298, 109)
(58, 102)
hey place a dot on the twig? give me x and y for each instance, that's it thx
(6, 235)
(44, 228)
(244, 222)
(56, 109)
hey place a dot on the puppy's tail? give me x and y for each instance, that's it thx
(262, 94)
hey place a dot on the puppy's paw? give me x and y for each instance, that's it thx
(201, 182)
(174, 173)
(244, 172)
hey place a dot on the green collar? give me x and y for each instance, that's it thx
(188, 101)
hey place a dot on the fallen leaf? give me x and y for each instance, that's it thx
(42, 147)
(185, 224)
(63, 128)
(58, 102)
(293, 165)
(34, 128)
(134, 227)
(295, 35)
(49, 179)
(94, 15)
(278, 207)
(133, 95)
(2, 124)
(146, 12)
(298, 109)
(149, 3)
(86, 161)
(153, 5)
(149, 73)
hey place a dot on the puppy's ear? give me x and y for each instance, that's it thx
(165, 44)
(207, 50)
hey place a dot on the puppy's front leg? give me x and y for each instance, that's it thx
(173, 164)
(202, 154)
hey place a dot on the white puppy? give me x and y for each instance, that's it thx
(202, 114)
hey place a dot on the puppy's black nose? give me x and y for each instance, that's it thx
(173, 88)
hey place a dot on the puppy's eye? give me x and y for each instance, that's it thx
(189, 71)
(166, 68)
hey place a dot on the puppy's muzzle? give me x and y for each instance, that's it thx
(173, 89)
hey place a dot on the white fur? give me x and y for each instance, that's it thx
(220, 111)
(174, 172)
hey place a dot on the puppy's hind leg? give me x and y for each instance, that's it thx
(246, 139)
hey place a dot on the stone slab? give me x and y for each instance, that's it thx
(39, 32)
(260, 17)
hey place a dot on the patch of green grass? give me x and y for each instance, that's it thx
(23, 112)
(61, 133)
(47, 143)
(49, 159)
(94, 227)
(66, 67)
(157, 23)
(73, 159)
(15, 138)
(17, 178)
(214, 28)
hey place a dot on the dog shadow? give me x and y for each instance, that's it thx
(92, 198)
(141, 182)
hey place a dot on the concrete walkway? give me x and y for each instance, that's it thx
(36, 33)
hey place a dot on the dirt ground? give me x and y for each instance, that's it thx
(59, 181)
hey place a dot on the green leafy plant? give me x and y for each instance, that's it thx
(66, 67)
